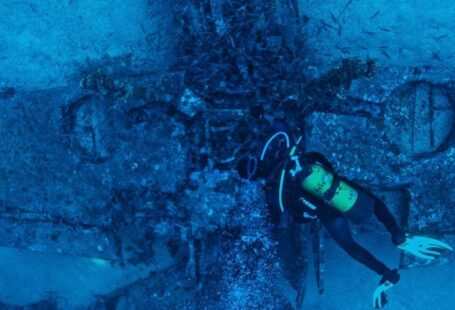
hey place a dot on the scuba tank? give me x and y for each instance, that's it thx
(323, 184)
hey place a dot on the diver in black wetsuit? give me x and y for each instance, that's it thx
(306, 186)
(336, 221)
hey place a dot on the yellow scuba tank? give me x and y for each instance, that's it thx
(320, 181)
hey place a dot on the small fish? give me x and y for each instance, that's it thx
(345, 8)
(375, 14)
(370, 33)
(385, 29)
(435, 56)
(385, 54)
(441, 37)
(328, 25)
(333, 17)
(306, 19)
(32, 7)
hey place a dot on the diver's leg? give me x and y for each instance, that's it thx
(338, 227)
(383, 214)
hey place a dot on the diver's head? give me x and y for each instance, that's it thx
(268, 160)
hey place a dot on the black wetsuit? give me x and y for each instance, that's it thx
(336, 222)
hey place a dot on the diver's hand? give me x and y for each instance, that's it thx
(380, 295)
(424, 247)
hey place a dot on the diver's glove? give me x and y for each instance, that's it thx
(380, 295)
(424, 247)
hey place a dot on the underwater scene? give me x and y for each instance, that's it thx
(227, 154)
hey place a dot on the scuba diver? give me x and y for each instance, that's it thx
(307, 186)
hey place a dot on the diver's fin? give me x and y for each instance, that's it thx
(380, 296)
(424, 247)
